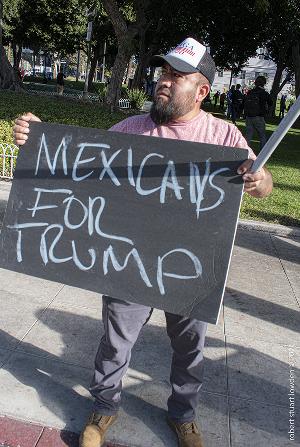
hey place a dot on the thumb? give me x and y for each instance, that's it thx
(29, 117)
(245, 166)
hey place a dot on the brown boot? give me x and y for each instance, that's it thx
(187, 434)
(95, 429)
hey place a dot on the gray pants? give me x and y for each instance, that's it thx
(256, 123)
(122, 323)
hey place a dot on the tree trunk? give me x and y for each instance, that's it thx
(8, 77)
(93, 66)
(141, 68)
(94, 62)
(115, 84)
(1, 20)
(296, 63)
(17, 53)
(276, 86)
(34, 61)
(125, 36)
(231, 76)
(139, 74)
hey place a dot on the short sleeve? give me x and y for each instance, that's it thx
(119, 127)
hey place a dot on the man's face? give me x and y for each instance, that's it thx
(175, 95)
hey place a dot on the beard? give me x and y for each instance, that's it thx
(164, 110)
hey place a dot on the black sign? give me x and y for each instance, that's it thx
(143, 219)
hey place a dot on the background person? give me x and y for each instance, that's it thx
(256, 106)
(216, 98)
(237, 100)
(187, 74)
(282, 106)
(229, 101)
(60, 82)
(222, 101)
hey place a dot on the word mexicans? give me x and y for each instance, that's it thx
(197, 185)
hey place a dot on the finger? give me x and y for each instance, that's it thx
(21, 123)
(29, 117)
(250, 186)
(254, 177)
(245, 166)
(20, 139)
(20, 129)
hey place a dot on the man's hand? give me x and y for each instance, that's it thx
(21, 127)
(257, 184)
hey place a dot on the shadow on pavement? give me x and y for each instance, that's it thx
(263, 309)
(49, 376)
(261, 242)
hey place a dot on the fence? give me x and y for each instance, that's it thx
(8, 156)
(124, 103)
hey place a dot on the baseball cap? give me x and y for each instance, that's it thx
(190, 56)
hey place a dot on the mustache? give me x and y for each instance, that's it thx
(164, 91)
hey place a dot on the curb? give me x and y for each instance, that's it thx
(17, 433)
(276, 229)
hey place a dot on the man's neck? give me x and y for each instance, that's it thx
(189, 116)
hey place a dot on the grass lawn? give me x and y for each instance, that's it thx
(282, 207)
(56, 110)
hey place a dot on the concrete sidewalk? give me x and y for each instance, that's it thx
(49, 335)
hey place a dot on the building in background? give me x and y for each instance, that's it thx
(260, 65)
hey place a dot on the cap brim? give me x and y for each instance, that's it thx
(177, 64)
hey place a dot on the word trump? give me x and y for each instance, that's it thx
(90, 217)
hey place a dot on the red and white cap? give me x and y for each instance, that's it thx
(190, 56)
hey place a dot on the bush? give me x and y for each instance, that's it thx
(137, 98)
(6, 133)
(124, 91)
(35, 79)
(100, 89)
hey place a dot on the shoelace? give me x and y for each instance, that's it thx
(98, 419)
(189, 427)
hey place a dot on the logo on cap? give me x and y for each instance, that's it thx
(189, 51)
(185, 47)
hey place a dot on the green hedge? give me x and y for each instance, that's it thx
(6, 135)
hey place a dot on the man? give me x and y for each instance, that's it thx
(282, 106)
(216, 97)
(222, 101)
(187, 74)
(60, 83)
(237, 99)
(229, 101)
(257, 103)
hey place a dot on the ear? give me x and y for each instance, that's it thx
(202, 92)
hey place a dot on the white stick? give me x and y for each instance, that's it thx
(277, 136)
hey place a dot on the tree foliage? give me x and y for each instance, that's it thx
(282, 36)
(46, 24)
(233, 30)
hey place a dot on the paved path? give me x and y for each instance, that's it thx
(49, 335)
